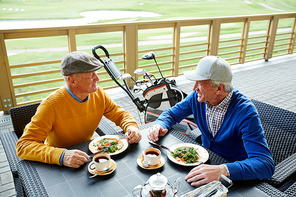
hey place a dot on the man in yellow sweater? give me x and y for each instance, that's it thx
(71, 114)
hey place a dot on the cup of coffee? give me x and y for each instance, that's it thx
(152, 156)
(102, 161)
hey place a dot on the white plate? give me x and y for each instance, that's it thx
(203, 154)
(123, 142)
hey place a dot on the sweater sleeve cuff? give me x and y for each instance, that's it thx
(225, 166)
(162, 124)
(131, 126)
(62, 157)
(234, 171)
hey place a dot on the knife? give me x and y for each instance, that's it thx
(162, 146)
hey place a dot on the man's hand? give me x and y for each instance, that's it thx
(155, 131)
(133, 135)
(205, 173)
(74, 158)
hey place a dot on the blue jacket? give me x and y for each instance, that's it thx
(240, 138)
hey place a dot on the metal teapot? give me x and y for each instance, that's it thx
(157, 186)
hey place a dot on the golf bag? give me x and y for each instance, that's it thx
(158, 94)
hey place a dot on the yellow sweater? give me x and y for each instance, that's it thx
(61, 121)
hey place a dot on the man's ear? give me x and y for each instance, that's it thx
(221, 88)
(71, 80)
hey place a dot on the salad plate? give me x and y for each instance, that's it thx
(114, 144)
(202, 153)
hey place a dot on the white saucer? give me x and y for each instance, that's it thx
(93, 170)
(150, 167)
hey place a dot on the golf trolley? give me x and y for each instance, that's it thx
(157, 94)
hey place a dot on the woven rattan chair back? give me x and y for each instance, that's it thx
(21, 116)
(279, 128)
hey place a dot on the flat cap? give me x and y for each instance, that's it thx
(79, 62)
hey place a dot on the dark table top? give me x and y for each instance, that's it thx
(54, 180)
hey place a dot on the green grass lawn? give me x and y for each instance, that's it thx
(171, 9)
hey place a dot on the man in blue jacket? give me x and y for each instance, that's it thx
(229, 123)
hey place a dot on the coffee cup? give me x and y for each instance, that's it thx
(152, 156)
(102, 161)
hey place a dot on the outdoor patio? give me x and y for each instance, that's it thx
(270, 82)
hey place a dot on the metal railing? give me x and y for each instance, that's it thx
(28, 73)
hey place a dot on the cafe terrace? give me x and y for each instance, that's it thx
(267, 77)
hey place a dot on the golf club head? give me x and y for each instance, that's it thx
(151, 75)
(125, 76)
(149, 56)
(139, 71)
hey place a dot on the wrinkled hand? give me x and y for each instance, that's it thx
(155, 131)
(133, 135)
(205, 173)
(74, 158)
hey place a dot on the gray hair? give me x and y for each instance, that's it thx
(228, 85)
(76, 75)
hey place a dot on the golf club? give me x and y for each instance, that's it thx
(142, 71)
(150, 56)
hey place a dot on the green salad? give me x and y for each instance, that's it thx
(112, 145)
(187, 155)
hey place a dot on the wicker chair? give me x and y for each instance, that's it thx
(21, 116)
(280, 131)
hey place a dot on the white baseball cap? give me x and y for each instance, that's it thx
(211, 67)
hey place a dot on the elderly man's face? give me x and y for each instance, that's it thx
(87, 82)
(205, 91)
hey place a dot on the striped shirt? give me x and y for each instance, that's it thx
(215, 114)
